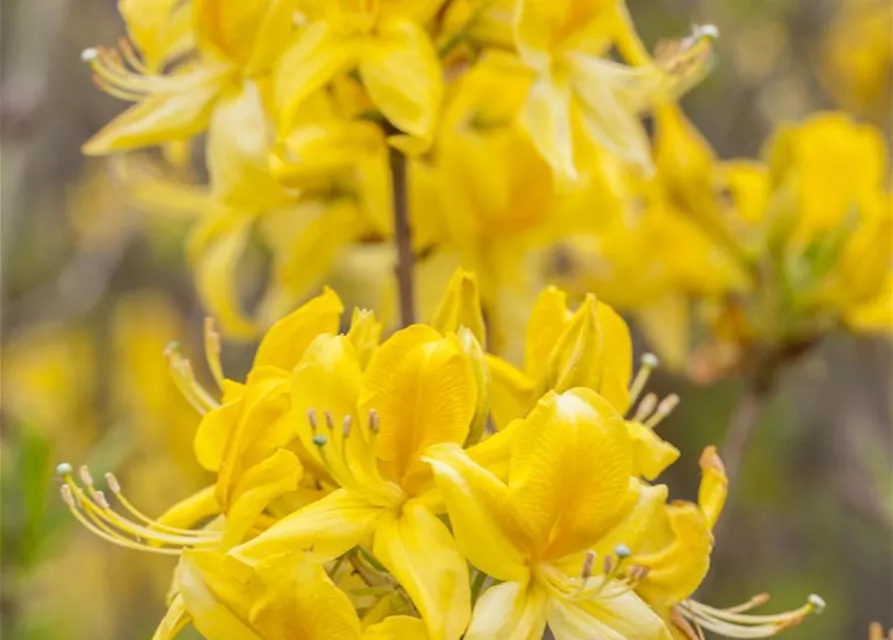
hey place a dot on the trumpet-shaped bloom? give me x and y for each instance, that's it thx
(366, 430)
(568, 482)
(575, 88)
(589, 348)
(387, 44)
(675, 547)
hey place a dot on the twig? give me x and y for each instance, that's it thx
(747, 414)
(402, 235)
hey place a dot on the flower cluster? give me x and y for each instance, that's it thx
(364, 490)
(515, 120)
(779, 251)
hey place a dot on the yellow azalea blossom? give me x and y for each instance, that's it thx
(568, 482)
(576, 88)
(366, 429)
(232, 42)
(385, 41)
(278, 599)
(676, 546)
(590, 348)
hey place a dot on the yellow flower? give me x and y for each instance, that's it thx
(589, 348)
(366, 430)
(675, 548)
(232, 42)
(385, 41)
(568, 482)
(288, 598)
(579, 95)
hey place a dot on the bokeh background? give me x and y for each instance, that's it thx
(93, 290)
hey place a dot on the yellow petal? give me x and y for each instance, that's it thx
(422, 387)
(417, 548)
(509, 611)
(216, 593)
(285, 342)
(189, 512)
(296, 600)
(546, 117)
(327, 381)
(714, 486)
(160, 29)
(314, 58)
(216, 269)
(364, 334)
(576, 359)
(665, 323)
(618, 358)
(511, 393)
(638, 522)
(481, 374)
(159, 118)
(618, 617)
(402, 74)
(255, 489)
(460, 306)
(305, 257)
(570, 470)
(263, 426)
(547, 321)
(327, 528)
(608, 94)
(651, 454)
(397, 628)
(175, 619)
(216, 425)
(488, 528)
(676, 570)
(237, 151)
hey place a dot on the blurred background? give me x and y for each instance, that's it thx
(94, 290)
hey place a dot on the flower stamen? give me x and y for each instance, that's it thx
(90, 507)
(732, 623)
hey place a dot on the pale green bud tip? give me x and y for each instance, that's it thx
(319, 440)
(89, 55)
(622, 551)
(817, 602)
(650, 360)
(64, 469)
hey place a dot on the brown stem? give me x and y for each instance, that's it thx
(745, 418)
(403, 238)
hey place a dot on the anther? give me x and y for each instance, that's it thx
(645, 408)
(330, 421)
(67, 496)
(63, 469)
(86, 478)
(664, 409)
(113, 483)
(99, 496)
(588, 561)
(608, 565)
(311, 418)
(320, 440)
(374, 423)
(346, 427)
